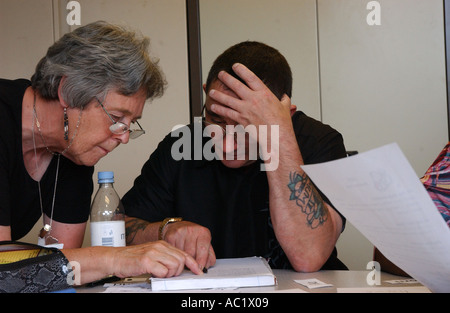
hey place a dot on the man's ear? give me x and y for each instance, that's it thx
(60, 95)
(293, 109)
(287, 101)
(204, 88)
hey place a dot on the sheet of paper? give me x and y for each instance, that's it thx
(381, 195)
(312, 283)
(128, 289)
(401, 281)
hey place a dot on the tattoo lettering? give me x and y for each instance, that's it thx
(308, 199)
(132, 227)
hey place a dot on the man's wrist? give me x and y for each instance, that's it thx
(164, 224)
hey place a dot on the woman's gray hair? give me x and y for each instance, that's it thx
(95, 59)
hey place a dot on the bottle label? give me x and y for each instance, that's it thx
(108, 234)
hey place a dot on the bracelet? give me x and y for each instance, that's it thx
(166, 222)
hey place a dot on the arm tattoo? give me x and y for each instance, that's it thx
(132, 226)
(308, 199)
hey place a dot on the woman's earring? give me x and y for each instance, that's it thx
(66, 125)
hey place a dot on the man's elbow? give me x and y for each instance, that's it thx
(308, 264)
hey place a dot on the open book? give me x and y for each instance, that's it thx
(226, 273)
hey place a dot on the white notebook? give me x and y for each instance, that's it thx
(226, 273)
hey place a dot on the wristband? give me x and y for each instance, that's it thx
(166, 222)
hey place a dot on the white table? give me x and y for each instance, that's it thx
(341, 281)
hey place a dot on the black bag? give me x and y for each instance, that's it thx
(28, 268)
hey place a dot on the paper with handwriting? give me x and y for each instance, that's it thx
(381, 195)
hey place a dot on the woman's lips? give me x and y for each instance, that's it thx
(105, 151)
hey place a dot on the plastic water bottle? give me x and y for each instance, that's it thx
(107, 214)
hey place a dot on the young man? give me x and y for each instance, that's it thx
(237, 205)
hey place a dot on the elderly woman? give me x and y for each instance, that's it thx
(82, 102)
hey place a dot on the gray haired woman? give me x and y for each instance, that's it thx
(84, 99)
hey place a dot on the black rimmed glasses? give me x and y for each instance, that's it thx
(119, 128)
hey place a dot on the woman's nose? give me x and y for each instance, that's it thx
(124, 138)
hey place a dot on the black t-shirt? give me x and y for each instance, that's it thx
(232, 203)
(19, 195)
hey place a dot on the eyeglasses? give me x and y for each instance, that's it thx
(223, 129)
(235, 131)
(119, 128)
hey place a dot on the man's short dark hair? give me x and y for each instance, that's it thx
(266, 62)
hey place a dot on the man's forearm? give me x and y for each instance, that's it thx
(139, 231)
(303, 223)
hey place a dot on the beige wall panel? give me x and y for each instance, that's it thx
(384, 83)
(288, 25)
(26, 31)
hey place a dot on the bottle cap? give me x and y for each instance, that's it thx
(105, 177)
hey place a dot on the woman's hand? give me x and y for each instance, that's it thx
(157, 258)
